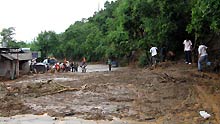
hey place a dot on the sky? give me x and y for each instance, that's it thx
(30, 17)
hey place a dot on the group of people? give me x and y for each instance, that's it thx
(66, 66)
(163, 55)
(62, 66)
(202, 54)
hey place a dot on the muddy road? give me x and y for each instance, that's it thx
(173, 93)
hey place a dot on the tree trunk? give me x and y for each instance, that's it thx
(194, 50)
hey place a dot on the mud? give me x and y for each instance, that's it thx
(172, 93)
(45, 119)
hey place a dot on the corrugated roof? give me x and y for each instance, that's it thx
(19, 56)
(22, 56)
(8, 56)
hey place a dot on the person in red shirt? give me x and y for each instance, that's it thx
(57, 67)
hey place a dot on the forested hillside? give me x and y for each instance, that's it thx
(124, 26)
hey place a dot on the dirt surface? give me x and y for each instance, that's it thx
(172, 93)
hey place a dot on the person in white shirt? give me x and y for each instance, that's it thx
(203, 56)
(153, 51)
(187, 49)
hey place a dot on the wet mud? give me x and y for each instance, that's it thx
(171, 93)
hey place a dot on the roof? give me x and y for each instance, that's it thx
(22, 56)
(8, 56)
(19, 56)
(7, 49)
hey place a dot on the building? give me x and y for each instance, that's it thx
(13, 62)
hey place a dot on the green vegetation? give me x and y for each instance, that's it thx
(128, 25)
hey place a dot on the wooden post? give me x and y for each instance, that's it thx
(17, 66)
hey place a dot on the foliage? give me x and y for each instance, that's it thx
(20, 44)
(205, 18)
(124, 26)
(7, 34)
(46, 42)
(142, 60)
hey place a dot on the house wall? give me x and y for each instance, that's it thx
(25, 67)
(7, 68)
(14, 73)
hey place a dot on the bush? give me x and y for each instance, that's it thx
(142, 60)
(123, 62)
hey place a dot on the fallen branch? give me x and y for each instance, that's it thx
(66, 88)
(169, 77)
(61, 85)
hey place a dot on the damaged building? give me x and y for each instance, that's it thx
(14, 62)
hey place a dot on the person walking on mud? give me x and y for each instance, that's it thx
(187, 49)
(153, 51)
(203, 56)
(163, 51)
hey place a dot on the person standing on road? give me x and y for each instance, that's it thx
(153, 51)
(187, 49)
(83, 61)
(203, 56)
(109, 64)
(83, 65)
(75, 65)
(72, 67)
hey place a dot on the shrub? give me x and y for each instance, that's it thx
(142, 60)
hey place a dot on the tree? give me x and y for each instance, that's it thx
(20, 44)
(205, 18)
(124, 26)
(47, 42)
(7, 34)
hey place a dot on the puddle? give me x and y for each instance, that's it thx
(60, 79)
(64, 79)
(45, 119)
(90, 68)
(97, 68)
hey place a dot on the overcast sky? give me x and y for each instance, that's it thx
(30, 17)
